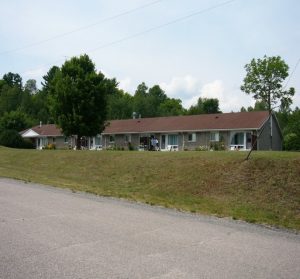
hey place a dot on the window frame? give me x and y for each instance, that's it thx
(193, 137)
(112, 138)
(216, 136)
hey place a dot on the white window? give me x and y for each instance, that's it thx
(192, 137)
(214, 136)
(173, 139)
(127, 138)
(98, 140)
(112, 138)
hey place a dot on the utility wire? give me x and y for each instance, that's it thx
(179, 19)
(162, 25)
(82, 28)
(292, 73)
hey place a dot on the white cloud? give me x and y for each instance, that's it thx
(189, 89)
(181, 87)
(214, 89)
(125, 84)
(35, 74)
(230, 99)
(186, 88)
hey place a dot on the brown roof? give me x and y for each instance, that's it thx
(46, 130)
(203, 122)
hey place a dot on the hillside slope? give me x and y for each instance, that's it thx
(265, 189)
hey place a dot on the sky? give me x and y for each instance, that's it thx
(190, 48)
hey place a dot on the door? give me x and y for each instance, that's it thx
(163, 142)
(254, 142)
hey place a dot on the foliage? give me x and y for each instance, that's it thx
(15, 120)
(264, 78)
(292, 142)
(13, 79)
(119, 105)
(291, 129)
(50, 146)
(10, 98)
(217, 146)
(30, 86)
(11, 138)
(48, 78)
(154, 102)
(79, 97)
(202, 148)
(171, 107)
(205, 105)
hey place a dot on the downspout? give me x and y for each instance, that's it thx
(271, 131)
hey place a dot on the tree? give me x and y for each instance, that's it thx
(10, 98)
(15, 120)
(11, 138)
(78, 98)
(156, 96)
(291, 131)
(48, 78)
(140, 104)
(264, 78)
(30, 86)
(205, 106)
(171, 107)
(13, 79)
(119, 105)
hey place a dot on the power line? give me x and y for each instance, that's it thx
(162, 25)
(179, 19)
(292, 73)
(82, 28)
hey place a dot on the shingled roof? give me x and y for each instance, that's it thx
(203, 122)
(50, 130)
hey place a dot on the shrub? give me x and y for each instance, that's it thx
(11, 138)
(217, 146)
(291, 142)
(202, 148)
(130, 146)
(50, 146)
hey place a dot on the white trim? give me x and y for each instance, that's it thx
(30, 134)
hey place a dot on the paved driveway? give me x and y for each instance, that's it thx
(51, 233)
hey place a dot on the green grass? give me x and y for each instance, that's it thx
(265, 189)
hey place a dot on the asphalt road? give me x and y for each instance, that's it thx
(52, 233)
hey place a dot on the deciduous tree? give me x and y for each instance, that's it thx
(264, 79)
(78, 98)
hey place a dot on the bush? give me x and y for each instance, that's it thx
(202, 148)
(217, 146)
(292, 142)
(50, 146)
(130, 146)
(11, 138)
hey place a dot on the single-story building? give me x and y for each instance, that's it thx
(230, 131)
(44, 135)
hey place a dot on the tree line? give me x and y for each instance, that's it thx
(79, 99)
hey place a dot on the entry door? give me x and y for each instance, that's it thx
(163, 142)
(254, 141)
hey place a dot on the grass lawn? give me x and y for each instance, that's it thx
(265, 189)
